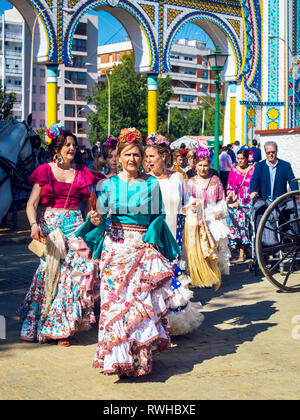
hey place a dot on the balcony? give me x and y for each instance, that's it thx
(183, 105)
(180, 90)
(13, 88)
(13, 72)
(9, 52)
(17, 106)
(13, 36)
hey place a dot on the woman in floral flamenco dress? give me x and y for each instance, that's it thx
(60, 299)
(134, 246)
(238, 197)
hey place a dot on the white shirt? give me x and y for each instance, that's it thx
(272, 171)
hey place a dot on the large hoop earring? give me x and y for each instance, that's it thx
(57, 158)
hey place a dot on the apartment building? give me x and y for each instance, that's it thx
(14, 59)
(110, 55)
(192, 78)
(74, 80)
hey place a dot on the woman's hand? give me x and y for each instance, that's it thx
(231, 198)
(148, 245)
(95, 217)
(35, 232)
(218, 215)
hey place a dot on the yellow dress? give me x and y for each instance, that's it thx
(177, 168)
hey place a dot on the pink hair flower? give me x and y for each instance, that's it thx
(202, 153)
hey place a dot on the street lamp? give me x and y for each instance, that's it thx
(108, 99)
(217, 61)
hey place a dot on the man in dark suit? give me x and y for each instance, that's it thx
(256, 151)
(271, 176)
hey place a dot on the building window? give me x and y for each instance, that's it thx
(204, 74)
(42, 123)
(187, 58)
(70, 125)
(42, 90)
(42, 106)
(42, 72)
(33, 124)
(76, 77)
(33, 106)
(187, 98)
(204, 88)
(78, 62)
(69, 110)
(79, 44)
(81, 29)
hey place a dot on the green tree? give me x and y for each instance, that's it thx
(128, 101)
(41, 133)
(6, 103)
(178, 124)
(194, 122)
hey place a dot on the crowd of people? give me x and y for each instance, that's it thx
(128, 229)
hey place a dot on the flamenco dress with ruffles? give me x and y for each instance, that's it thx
(72, 307)
(134, 246)
(184, 315)
(210, 246)
(240, 217)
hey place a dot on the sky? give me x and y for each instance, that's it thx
(111, 31)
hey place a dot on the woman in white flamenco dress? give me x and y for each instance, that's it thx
(184, 316)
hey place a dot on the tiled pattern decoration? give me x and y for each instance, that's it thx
(240, 21)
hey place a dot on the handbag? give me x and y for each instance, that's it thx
(39, 248)
(234, 199)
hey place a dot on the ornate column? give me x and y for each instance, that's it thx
(152, 101)
(52, 94)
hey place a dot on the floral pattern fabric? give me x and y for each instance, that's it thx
(135, 292)
(240, 218)
(72, 307)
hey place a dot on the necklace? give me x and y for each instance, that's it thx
(162, 175)
(130, 182)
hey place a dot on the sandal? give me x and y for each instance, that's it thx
(63, 343)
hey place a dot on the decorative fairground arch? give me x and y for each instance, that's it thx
(262, 50)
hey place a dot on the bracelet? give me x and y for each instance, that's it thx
(34, 223)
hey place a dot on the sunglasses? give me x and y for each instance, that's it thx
(271, 153)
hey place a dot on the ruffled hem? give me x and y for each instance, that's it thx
(186, 320)
(184, 316)
(71, 309)
(224, 256)
(135, 295)
(156, 312)
(218, 229)
(150, 347)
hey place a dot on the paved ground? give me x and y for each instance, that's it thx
(244, 350)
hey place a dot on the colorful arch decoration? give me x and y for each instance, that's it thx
(260, 64)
